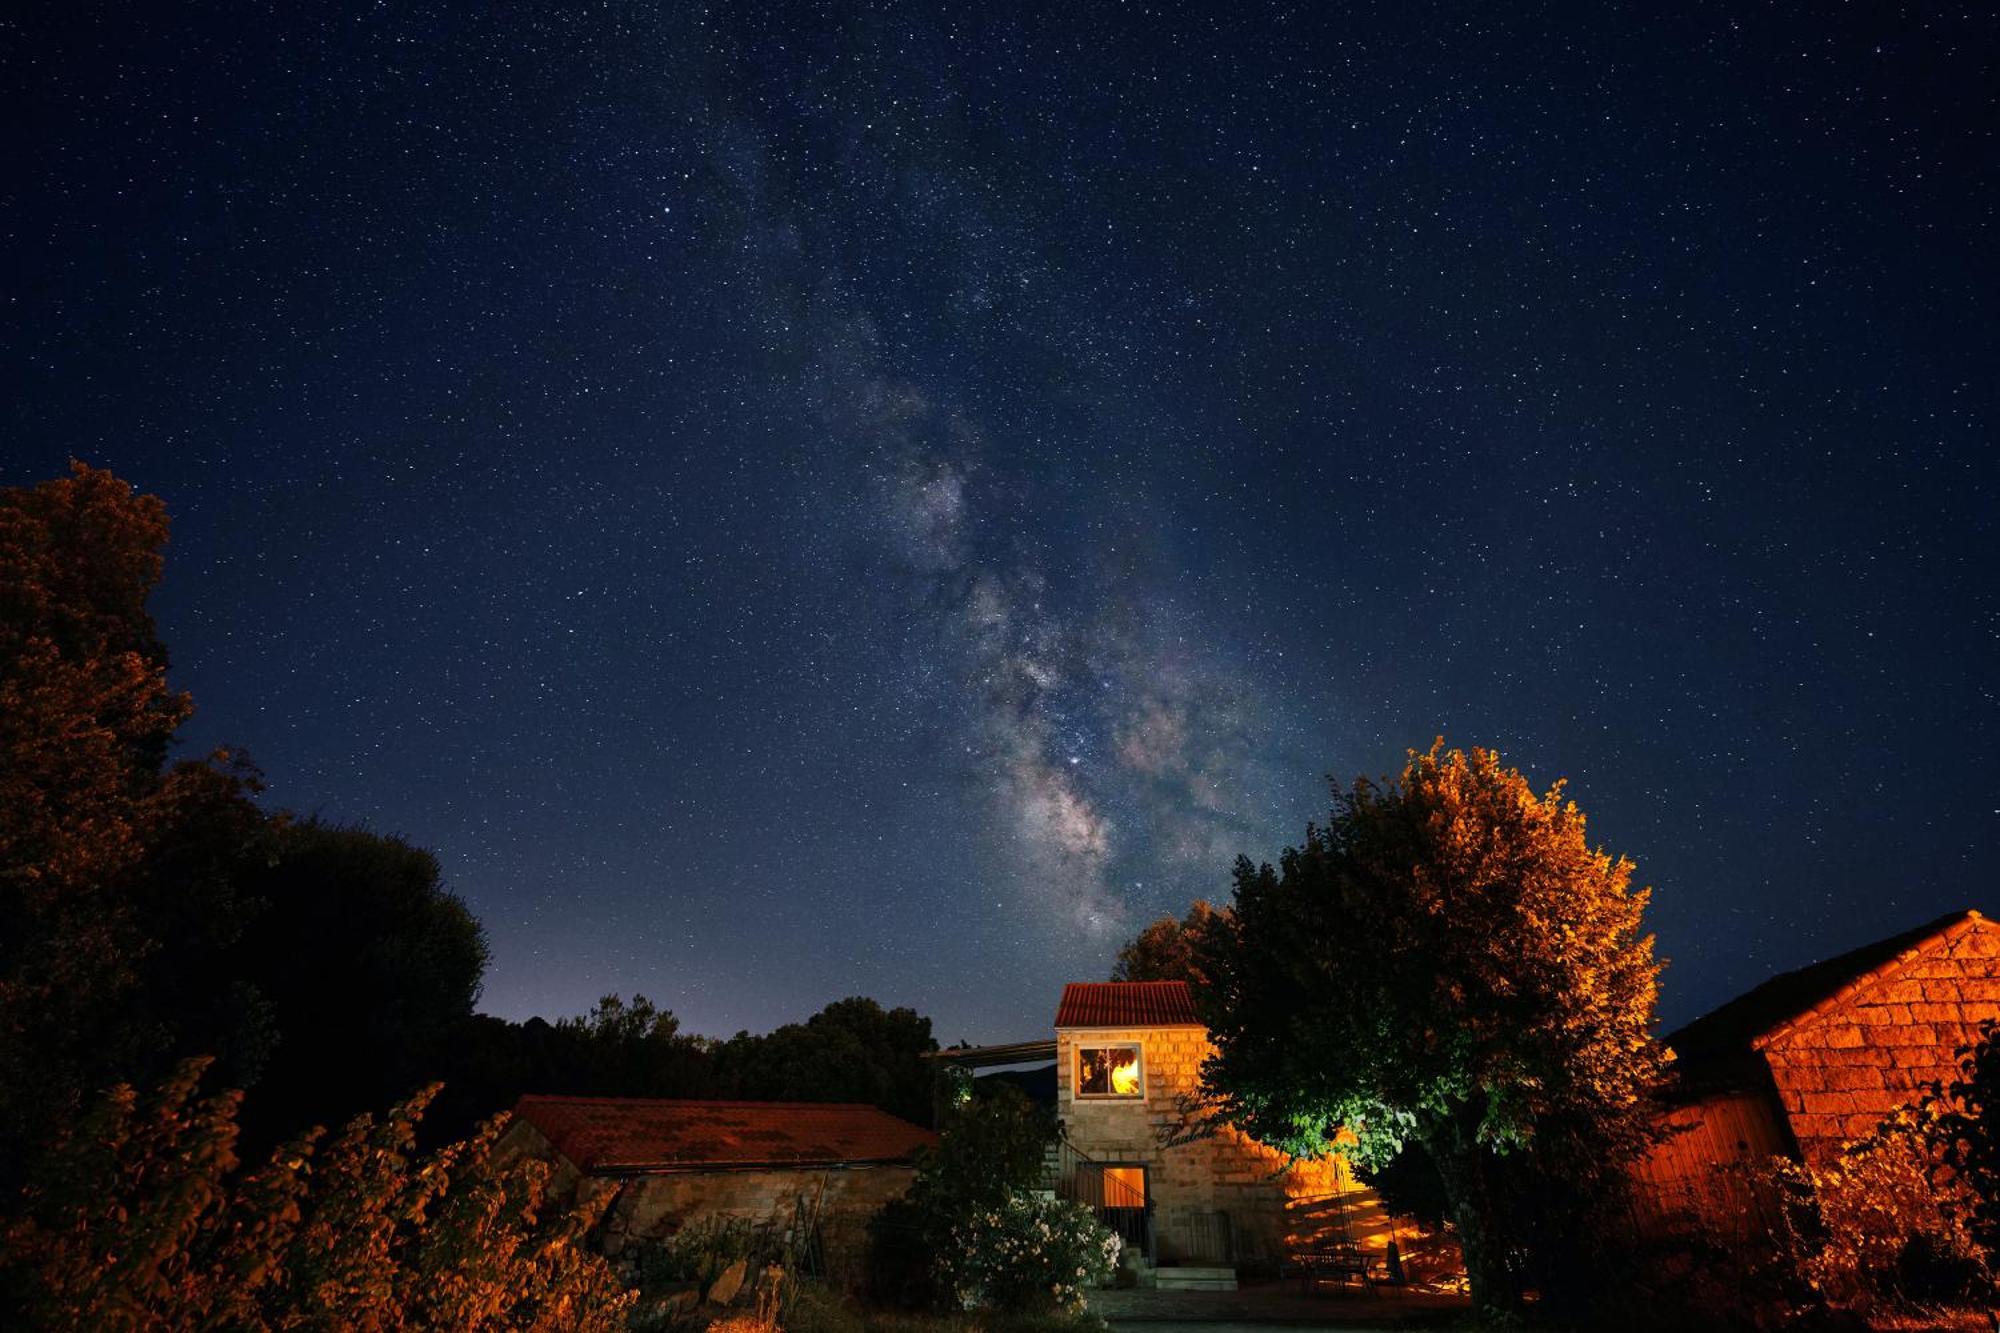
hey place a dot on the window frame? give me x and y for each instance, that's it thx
(1138, 1049)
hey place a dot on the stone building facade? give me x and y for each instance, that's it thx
(1210, 1198)
(1814, 1059)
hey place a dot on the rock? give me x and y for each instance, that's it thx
(725, 1288)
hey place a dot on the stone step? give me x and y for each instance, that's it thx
(1194, 1279)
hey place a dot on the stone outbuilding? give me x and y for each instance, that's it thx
(1815, 1058)
(672, 1162)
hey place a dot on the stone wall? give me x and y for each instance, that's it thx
(1842, 1068)
(1274, 1210)
(651, 1207)
(654, 1206)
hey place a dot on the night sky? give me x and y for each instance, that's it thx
(799, 503)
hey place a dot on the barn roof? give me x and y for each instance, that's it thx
(633, 1134)
(1742, 1024)
(1126, 1004)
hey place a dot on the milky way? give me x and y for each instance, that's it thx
(801, 501)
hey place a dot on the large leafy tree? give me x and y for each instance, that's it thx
(1448, 965)
(1166, 950)
(150, 910)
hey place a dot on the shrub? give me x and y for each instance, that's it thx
(989, 1153)
(1873, 1226)
(1967, 1133)
(698, 1252)
(1029, 1256)
(140, 1219)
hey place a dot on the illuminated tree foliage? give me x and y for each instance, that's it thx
(86, 811)
(144, 1219)
(150, 910)
(1447, 963)
(1166, 949)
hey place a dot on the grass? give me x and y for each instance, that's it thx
(819, 1309)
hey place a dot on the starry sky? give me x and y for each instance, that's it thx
(793, 502)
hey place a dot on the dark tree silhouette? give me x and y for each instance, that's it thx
(370, 967)
(853, 1050)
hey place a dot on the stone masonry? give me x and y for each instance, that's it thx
(1274, 1209)
(1846, 1063)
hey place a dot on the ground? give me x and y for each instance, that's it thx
(1272, 1303)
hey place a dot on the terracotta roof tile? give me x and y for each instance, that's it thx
(1123, 1004)
(616, 1134)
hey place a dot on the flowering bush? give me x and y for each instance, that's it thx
(1030, 1255)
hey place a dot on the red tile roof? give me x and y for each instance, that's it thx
(618, 1134)
(1126, 1004)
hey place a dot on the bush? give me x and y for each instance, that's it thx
(1935, 1268)
(698, 1252)
(901, 1271)
(1874, 1226)
(1030, 1256)
(139, 1218)
(989, 1154)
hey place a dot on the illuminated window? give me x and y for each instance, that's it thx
(1107, 1071)
(1125, 1187)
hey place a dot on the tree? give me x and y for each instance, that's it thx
(1446, 963)
(1166, 949)
(369, 966)
(633, 1049)
(142, 1218)
(152, 911)
(87, 813)
(853, 1050)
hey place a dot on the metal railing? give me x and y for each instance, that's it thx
(1084, 1179)
(1199, 1238)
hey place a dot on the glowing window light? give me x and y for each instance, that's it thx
(1109, 1071)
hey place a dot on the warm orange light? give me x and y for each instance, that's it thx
(1125, 1186)
(1125, 1076)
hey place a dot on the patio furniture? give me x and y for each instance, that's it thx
(1342, 1263)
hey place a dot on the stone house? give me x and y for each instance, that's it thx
(1128, 1064)
(670, 1162)
(1815, 1058)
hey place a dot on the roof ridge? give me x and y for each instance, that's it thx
(732, 1103)
(1954, 923)
(1783, 999)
